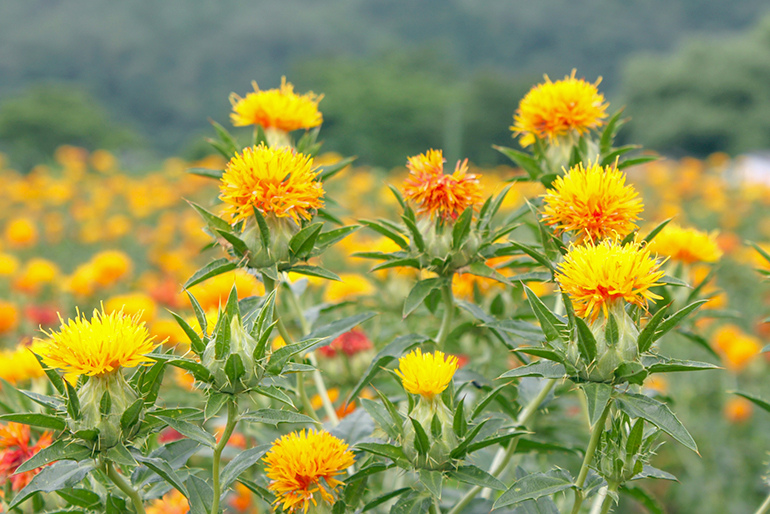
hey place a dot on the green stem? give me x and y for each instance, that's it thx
(317, 377)
(503, 457)
(121, 484)
(596, 434)
(449, 309)
(232, 419)
(765, 507)
(607, 505)
(435, 508)
(270, 285)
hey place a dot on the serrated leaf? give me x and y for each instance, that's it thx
(36, 420)
(190, 430)
(65, 473)
(390, 234)
(534, 486)
(473, 475)
(381, 416)
(553, 328)
(462, 228)
(275, 416)
(385, 497)
(240, 463)
(586, 340)
(417, 238)
(58, 450)
(421, 441)
(212, 269)
(200, 495)
(325, 334)
(214, 404)
(419, 292)
(544, 369)
(394, 453)
(302, 243)
(597, 396)
(762, 404)
(647, 335)
(673, 320)
(433, 481)
(657, 413)
(314, 271)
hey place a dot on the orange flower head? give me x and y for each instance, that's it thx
(593, 202)
(554, 109)
(277, 181)
(597, 275)
(280, 108)
(437, 193)
(738, 410)
(173, 502)
(301, 464)
(15, 449)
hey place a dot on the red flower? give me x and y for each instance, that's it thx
(349, 343)
(15, 449)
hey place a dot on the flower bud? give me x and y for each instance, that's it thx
(103, 400)
(235, 378)
(281, 232)
(430, 414)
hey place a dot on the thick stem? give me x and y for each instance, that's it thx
(124, 486)
(765, 507)
(232, 419)
(449, 309)
(608, 501)
(596, 434)
(504, 456)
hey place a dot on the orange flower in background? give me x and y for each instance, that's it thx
(738, 410)
(301, 464)
(465, 284)
(8, 264)
(110, 266)
(171, 503)
(596, 276)
(737, 347)
(280, 108)
(214, 292)
(686, 245)
(277, 181)
(36, 274)
(554, 109)
(437, 193)
(21, 233)
(9, 317)
(592, 202)
(15, 449)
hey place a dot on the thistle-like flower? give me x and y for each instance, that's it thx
(280, 108)
(426, 374)
(301, 464)
(593, 202)
(686, 245)
(555, 109)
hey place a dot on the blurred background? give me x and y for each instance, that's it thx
(399, 75)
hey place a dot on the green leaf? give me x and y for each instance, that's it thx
(397, 263)
(303, 241)
(394, 453)
(479, 409)
(390, 234)
(473, 475)
(196, 343)
(636, 161)
(73, 403)
(657, 413)
(240, 463)
(327, 239)
(481, 269)
(279, 357)
(433, 481)
(391, 352)
(234, 368)
(80, 497)
(264, 230)
(120, 455)
(419, 292)
(163, 469)
(212, 269)
(608, 134)
(52, 374)
(190, 430)
(215, 222)
(385, 497)
(260, 491)
(661, 365)
(275, 416)
(200, 494)
(417, 238)
(635, 437)
(654, 232)
(459, 424)
(586, 340)
(59, 450)
(462, 228)
(462, 449)
(380, 415)
(762, 404)
(227, 140)
(553, 328)
(314, 271)
(598, 396)
(544, 369)
(421, 441)
(198, 370)
(214, 403)
(239, 245)
(537, 256)
(36, 420)
(643, 498)
(325, 334)
(495, 440)
(673, 320)
(534, 486)
(611, 332)
(647, 335)
(59, 475)
(366, 471)
(652, 472)
(632, 372)
(522, 160)
(328, 171)
(206, 172)
(609, 159)
(50, 402)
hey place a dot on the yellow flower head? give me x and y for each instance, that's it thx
(110, 266)
(554, 109)
(593, 202)
(426, 374)
(298, 461)
(104, 344)
(20, 364)
(277, 182)
(213, 293)
(171, 503)
(686, 245)
(437, 193)
(597, 275)
(352, 285)
(133, 304)
(276, 108)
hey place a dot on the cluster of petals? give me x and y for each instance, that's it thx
(280, 108)
(426, 374)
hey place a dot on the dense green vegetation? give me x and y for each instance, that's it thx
(444, 66)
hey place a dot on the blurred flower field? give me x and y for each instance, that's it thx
(81, 235)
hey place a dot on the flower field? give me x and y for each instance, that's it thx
(276, 329)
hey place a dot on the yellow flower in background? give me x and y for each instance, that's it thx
(464, 284)
(214, 292)
(426, 374)
(592, 202)
(687, 245)
(437, 193)
(100, 345)
(301, 464)
(554, 109)
(168, 330)
(736, 346)
(351, 286)
(9, 317)
(136, 304)
(597, 275)
(82, 282)
(21, 233)
(657, 383)
(278, 182)
(280, 108)
(103, 161)
(8, 264)
(20, 364)
(110, 266)
(36, 273)
(171, 503)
